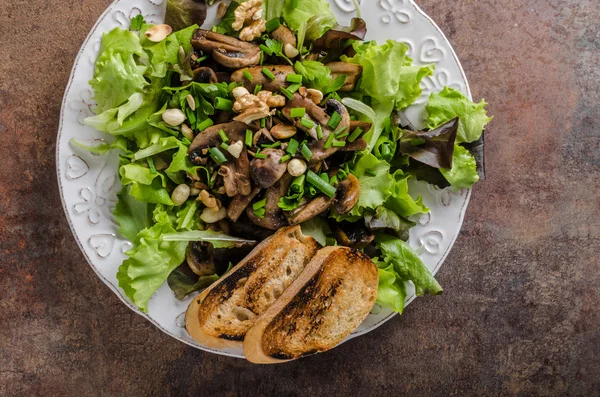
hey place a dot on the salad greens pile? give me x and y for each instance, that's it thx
(137, 80)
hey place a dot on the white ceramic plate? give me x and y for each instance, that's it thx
(89, 184)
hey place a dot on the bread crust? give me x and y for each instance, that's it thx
(332, 296)
(220, 316)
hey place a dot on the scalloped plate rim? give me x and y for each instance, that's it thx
(117, 291)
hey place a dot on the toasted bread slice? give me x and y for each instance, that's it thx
(221, 315)
(328, 301)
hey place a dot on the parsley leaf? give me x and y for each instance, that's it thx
(137, 22)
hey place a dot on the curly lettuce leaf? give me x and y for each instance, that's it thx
(388, 73)
(316, 12)
(150, 263)
(400, 201)
(406, 264)
(464, 169)
(119, 41)
(165, 53)
(376, 185)
(146, 186)
(391, 292)
(132, 215)
(451, 103)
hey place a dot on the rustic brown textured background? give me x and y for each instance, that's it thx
(521, 308)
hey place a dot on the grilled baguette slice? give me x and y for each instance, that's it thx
(221, 315)
(328, 301)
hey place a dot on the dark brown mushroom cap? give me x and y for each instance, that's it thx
(313, 208)
(205, 75)
(274, 218)
(227, 51)
(265, 172)
(258, 77)
(352, 235)
(336, 37)
(210, 137)
(199, 257)
(347, 194)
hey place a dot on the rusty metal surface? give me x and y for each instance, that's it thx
(521, 307)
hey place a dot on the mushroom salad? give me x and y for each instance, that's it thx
(275, 116)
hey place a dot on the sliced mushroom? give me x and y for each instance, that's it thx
(229, 180)
(239, 204)
(315, 207)
(363, 125)
(350, 70)
(199, 257)
(250, 115)
(227, 51)
(205, 75)
(313, 113)
(235, 130)
(352, 235)
(242, 169)
(274, 218)
(265, 172)
(284, 35)
(318, 147)
(347, 194)
(355, 146)
(258, 77)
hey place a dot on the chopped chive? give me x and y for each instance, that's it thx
(294, 78)
(333, 180)
(287, 93)
(272, 24)
(320, 184)
(260, 212)
(306, 152)
(259, 204)
(271, 145)
(294, 87)
(340, 136)
(306, 123)
(260, 156)
(223, 136)
(205, 124)
(266, 49)
(224, 146)
(339, 132)
(339, 143)
(186, 141)
(292, 147)
(324, 176)
(385, 150)
(223, 104)
(335, 120)
(329, 140)
(151, 165)
(262, 58)
(202, 59)
(248, 139)
(257, 89)
(355, 134)
(268, 73)
(247, 75)
(285, 158)
(297, 112)
(319, 131)
(263, 123)
(298, 184)
(295, 3)
(370, 172)
(217, 155)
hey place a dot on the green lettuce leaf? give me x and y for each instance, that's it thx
(317, 228)
(132, 215)
(400, 201)
(183, 284)
(391, 292)
(464, 169)
(146, 186)
(116, 79)
(375, 186)
(451, 103)
(407, 264)
(119, 41)
(318, 76)
(316, 12)
(388, 73)
(149, 263)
